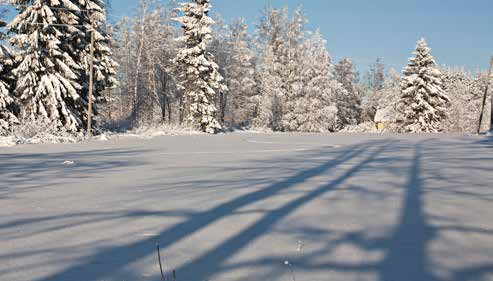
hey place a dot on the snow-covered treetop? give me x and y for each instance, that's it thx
(422, 60)
(196, 23)
(344, 72)
(422, 71)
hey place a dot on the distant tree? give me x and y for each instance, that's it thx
(313, 108)
(466, 95)
(348, 101)
(376, 75)
(241, 72)
(345, 74)
(270, 88)
(423, 100)
(271, 33)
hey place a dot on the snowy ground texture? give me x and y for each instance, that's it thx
(235, 207)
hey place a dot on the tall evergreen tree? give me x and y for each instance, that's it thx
(423, 99)
(53, 76)
(48, 74)
(200, 79)
(7, 116)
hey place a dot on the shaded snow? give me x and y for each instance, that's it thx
(370, 207)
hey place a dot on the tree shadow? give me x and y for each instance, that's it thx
(203, 267)
(405, 247)
(89, 269)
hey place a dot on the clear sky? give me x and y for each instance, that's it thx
(460, 32)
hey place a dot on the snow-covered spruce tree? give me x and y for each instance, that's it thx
(7, 116)
(313, 109)
(47, 75)
(201, 79)
(423, 100)
(348, 101)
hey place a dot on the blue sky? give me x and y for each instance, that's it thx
(459, 31)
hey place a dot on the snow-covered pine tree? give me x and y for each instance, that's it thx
(7, 116)
(348, 101)
(201, 79)
(423, 100)
(47, 75)
(241, 80)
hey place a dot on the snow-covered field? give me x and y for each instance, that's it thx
(238, 207)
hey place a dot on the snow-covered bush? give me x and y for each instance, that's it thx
(29, 132)
(423, 101)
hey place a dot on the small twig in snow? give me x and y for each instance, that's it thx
(160, 264)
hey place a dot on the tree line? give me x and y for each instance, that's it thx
(174, 63)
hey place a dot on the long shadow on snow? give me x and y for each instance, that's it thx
(406, 248)
(122, 256)
(203, 267)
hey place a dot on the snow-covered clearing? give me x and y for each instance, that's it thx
(338, 207)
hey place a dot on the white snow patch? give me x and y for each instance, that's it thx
(158, 131)
(7, 141)
(368, 127)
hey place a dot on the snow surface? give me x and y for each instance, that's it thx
(338, 207)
